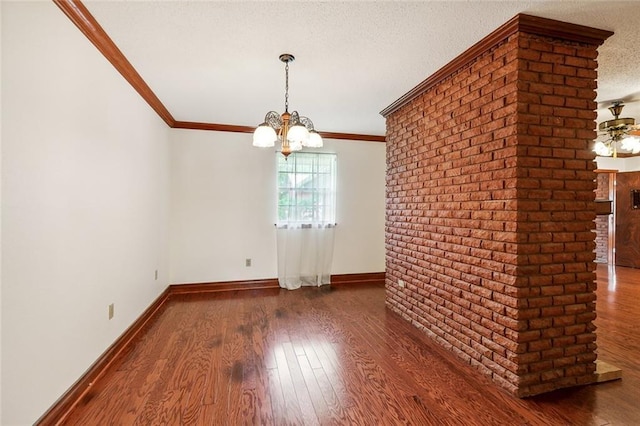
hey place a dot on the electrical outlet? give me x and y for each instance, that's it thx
(156, 276)
(401, 283)
(247, 262)
(111, 308)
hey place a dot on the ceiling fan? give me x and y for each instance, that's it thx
(620, 135)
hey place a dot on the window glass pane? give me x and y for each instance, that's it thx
(306, 188)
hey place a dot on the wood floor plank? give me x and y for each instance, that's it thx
(325, 401)
(336, 412)
(336, 355)
(416, 383)
(316, 398)
(256, 403)
(276, 395)
(408, 383)
(300, 388)
(391, 400)
(233, 363)
(216, 386)
(292, 409)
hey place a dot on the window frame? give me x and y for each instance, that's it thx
(313, 205)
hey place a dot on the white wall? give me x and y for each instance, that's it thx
(85, 206)
(627, 164)
(0, 221)
(223, 207)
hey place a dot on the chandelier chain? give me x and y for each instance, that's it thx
(286, 87)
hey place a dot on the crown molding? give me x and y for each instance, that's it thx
(77, 12)
(192, 125)
(87, 24)
(563, 30)
(519, 23)
(353, 137)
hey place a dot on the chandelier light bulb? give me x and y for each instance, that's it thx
(295, 146)
(264, 136)
(298, 134)
(315, 140)
(631, 143)
(603, 150)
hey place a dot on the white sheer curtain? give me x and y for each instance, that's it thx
(306, 218)
(305, 253)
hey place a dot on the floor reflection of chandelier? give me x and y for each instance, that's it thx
(622, 134)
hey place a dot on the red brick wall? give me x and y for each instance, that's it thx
(602, 239)
(602, 186)
(602, 221)
(490, 212)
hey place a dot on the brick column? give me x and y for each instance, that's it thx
(490, 209)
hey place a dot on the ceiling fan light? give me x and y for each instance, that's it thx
(264, 136)
(315, 140)
(602, 149)
(631, 143)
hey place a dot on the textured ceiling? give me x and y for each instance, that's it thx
(217, 62)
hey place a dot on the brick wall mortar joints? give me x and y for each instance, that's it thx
(433, 220)
(528, 192)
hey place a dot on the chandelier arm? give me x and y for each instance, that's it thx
(306, 122)
(295, 119)
(273, 119)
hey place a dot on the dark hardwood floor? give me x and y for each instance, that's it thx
(336, 355)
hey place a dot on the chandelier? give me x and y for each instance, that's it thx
(620, 134)
(291, 130)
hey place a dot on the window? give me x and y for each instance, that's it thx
(307, 188)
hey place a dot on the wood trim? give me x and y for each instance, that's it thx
(458, 62)
(604, 207)
(82, 18)
(564, 30)
(247, 129)
(196, 288)
(66, 403)
(269, 283)
(70, 399)
(353, 137)
(77, 12)
(192, 125)
(611, 255)
(519, 23)
(367, 278)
